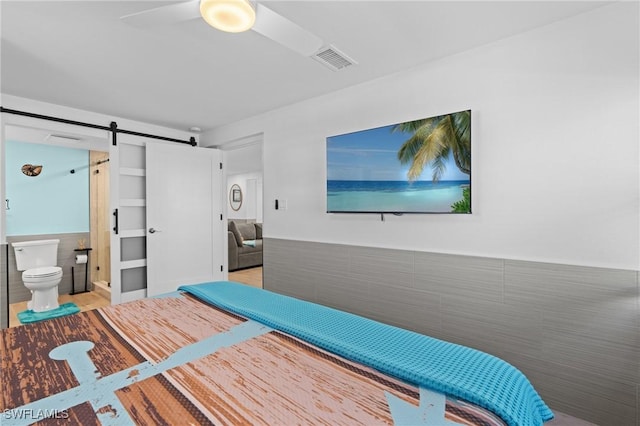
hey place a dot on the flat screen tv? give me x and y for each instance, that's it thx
(420, 166)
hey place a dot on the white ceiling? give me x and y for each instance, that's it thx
(80, 54)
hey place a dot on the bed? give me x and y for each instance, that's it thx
(228, 354)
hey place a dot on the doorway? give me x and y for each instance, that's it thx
(243, 165)
(127, 208)
(100, 256)
(55, 203)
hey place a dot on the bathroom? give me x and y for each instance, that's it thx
(66, 199)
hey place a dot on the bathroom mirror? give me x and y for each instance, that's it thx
(235, 197)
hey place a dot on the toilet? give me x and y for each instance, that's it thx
(38, 260)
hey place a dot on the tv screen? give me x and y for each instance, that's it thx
(420, 166)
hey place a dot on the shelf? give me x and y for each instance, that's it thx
(132, 171)
(133, 202)
(130, 264)
(129, 233)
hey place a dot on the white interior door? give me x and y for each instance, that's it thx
(176, 190)
(184, 231)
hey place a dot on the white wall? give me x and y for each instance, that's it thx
(555, 147)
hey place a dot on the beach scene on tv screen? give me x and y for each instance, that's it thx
(419, 166)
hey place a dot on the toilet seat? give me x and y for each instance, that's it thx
(43, 272)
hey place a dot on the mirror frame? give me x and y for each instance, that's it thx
(235, 197)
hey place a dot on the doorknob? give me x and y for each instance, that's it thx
(153, 231)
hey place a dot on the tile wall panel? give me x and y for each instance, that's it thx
(493, 327)
(297, 262)
(422, 310)
(585, 394)
(591, 319)
(316, 259)
(573, 330)
(353, 295)
(394, 267)
(475, 277)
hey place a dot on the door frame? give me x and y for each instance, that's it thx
(226, 147)
(96, 139)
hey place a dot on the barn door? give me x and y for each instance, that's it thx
(184, 233)
(166, 225)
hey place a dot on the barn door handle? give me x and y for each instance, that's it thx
(115, 214)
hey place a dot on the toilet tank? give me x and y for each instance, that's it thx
(36, 254)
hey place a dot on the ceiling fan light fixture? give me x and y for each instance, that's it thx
(233, 16)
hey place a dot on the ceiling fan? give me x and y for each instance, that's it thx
(232, 16)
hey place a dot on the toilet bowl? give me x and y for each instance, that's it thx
(43, 284)
(37, 260)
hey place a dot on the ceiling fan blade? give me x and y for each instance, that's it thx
(164, 15)
(283, 31)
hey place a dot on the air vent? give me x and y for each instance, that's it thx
(333, 59)
(62, 138)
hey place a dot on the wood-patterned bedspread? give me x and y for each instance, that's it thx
(176, 360)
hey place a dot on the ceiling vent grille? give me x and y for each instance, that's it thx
(61, 138)
(333, 59)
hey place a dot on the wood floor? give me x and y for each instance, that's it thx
(251, 276)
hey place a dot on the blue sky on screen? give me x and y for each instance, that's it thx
(373, 155)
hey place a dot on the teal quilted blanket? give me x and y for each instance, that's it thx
(445, 367)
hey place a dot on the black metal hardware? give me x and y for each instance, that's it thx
(113, 127)
(163, 138)
(115, 228)
(86, 275)
(72, 171)
(50, 118)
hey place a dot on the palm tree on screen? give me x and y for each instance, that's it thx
(432, 140)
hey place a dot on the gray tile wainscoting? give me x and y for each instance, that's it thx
(573, 330)
(66, 259)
